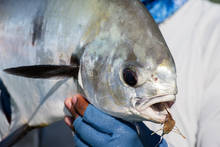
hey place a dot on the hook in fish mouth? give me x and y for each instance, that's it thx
(153, 108)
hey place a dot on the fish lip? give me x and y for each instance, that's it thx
(143, 107)
(149, 101)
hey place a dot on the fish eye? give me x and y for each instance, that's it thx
(129, 77)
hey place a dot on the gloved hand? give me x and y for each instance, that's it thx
(95, 128)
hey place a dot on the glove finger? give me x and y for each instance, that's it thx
(163, 143)
(146, 135)
(88, 134)
(69, 121)
(70, 106)
(78, 142)
(81, 104)
(101, 121)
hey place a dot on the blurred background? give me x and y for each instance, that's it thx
(216, 1)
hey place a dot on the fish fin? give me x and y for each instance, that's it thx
(44, 71)
(5, 101)
(15, 136)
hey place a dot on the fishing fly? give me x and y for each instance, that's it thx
(168, 126)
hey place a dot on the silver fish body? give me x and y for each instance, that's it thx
(125, 70)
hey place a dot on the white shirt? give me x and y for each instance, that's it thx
(193, 36)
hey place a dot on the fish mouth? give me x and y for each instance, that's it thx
(153, 108)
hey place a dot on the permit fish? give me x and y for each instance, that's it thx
(111, 51)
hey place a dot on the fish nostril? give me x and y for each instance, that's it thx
(155, 78)
(138, 103)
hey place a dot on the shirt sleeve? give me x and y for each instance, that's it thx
(209, 119)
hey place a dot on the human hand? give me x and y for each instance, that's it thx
(95, 128)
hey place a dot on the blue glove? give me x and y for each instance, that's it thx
(148, 139)
(98, 129)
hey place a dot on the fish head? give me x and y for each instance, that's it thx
(127, 69)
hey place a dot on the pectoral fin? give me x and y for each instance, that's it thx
(44, 71)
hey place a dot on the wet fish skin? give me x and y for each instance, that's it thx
(106, 36)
